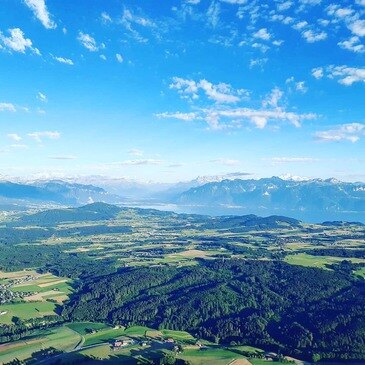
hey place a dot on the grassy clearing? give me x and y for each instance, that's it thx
(61, 338)
(360, 272)
(178, 335)
(304, 259)
(103, 335)
(82, 327)
(26, 310)
(214, 356)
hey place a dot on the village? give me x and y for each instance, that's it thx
(9, 296)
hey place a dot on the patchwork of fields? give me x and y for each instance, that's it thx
(51, 255)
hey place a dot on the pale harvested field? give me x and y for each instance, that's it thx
(16, 274)
(240, 362)
(45, 285)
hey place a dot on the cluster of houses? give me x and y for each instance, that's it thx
(124, 342)
(7, 295)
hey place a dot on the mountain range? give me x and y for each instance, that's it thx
(310, 200)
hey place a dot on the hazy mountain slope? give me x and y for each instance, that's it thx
(55, 191)
(275, 196)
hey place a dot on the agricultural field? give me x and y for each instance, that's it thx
(51, 263)
(60, 338)
(34, 295)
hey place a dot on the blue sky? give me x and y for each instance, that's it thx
(169, 90)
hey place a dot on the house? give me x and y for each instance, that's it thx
(270, 356)
(170, 340)
(118, 344)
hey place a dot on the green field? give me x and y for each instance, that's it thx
(61, 338)
(81, 327)
(26, 310)
(322, 262)
(103, 335)
(214, 356)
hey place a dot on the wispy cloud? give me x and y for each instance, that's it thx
(346, 132)
(66, 61)
(178, 115)
(220, 93)
(135, 152)
(88, 42)
(42, 97)
(119, 58)
(283, 160)
(9, 107)
(148, 161)
(14, 136)
(39, 136)
(39, 9)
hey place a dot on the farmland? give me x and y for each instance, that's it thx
(58, 268)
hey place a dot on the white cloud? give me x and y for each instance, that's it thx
(135, 152)
(178, 115)
(38, 136)
(103, 57)
(66, 61)
(317, 72)
(285, 5)
(128, 18)
(42, 97)
(148, 161)
(346, 75)
(273, 98)
(220, 93)
(262, 47)
(239, 2)
(353, 44)
(262, 34)
(280, 160)
(259, 118)
(9, 107)
(213, 13)
(310, 2)
(105, 17)
(258, 62)
(17, 42)
(358, 27)
(311, 37)
(18, 146)
(119, 58)
(39, 9)
(300, 86)
(14, 136)
(88, 42)
(346, 132)
(300, 25)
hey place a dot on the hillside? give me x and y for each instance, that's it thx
(54, 191)
(271, 196)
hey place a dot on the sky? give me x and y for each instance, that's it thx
(170, 90)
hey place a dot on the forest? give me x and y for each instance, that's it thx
(306, 312)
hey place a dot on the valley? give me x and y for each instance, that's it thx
(114, 268)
